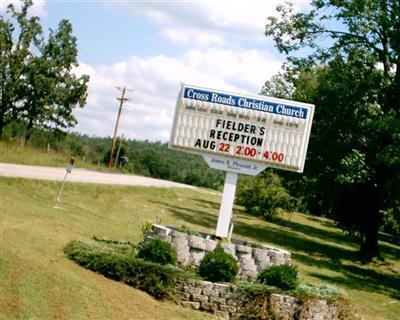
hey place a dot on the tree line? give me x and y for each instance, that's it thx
(147, 158)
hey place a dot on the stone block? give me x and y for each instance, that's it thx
(206, 285)
(316, 310)
(211, 293)
(182, 255)
(196, 242)
(283, 307)
(276, 257)
(227, 308)
(260, 254)
(184, 296)
(159, 229)
(177, 235)
(192, 290)
(210, 244)
(231, 303)
(243, 249)
(208, 306)
(199, 298)
(180, 243)
(222, 288)
(191, 305)
(222, 315)
(243, 256)
(228, 248)
(196, 256)
(218, 300)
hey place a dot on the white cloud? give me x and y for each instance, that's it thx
(156, 80)
(208, 22)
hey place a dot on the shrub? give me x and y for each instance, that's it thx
(282, 276)
(322, 291)
(263, 195)
(218, 266)
(157, 251)
(153, 278)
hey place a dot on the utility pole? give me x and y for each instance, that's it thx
(121, 102)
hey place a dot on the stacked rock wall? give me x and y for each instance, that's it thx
(227, 302)
(191, 249)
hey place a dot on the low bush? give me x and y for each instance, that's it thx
(282, 276)
(322, 291)
(157, 251)
(100, 257)
(264, 195)
(218, 266)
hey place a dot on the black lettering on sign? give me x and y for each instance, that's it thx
(205, 144)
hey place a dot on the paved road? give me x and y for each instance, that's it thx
(83, 175)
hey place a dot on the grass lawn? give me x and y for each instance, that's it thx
(11, 152)
(39, 282)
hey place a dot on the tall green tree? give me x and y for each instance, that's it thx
(37, 81)
(353, 168)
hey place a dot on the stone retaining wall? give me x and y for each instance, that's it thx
(228, 302)
(191, 249)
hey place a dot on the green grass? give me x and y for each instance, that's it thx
(39, 282)
(12, 152)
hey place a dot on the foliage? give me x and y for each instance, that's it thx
(322, 291)
(145, 228)
(153, 278)
(185, 229)
(157, 251)
(279, 86)
(283, 276)
(38, 85)
(218, 266)
(263, 195)
(119, 145)
(354, 80)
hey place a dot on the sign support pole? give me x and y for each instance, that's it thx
(225, 211)
(68, 169)
(61, 189)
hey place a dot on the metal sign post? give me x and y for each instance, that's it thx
(225, 211)
(68, 170)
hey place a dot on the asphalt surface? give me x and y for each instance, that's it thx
(83, 175)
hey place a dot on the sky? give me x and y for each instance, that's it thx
(151, 47)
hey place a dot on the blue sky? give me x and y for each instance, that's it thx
(153, 46)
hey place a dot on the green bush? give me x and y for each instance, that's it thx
(282, 276)
(157, 251)
(263, 195)
(153, 278)
(218, 266)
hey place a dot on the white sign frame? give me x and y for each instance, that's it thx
(248, 123)
(258, 137)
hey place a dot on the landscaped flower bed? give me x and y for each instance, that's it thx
(238, 300)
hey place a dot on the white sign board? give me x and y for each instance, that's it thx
(269, 131)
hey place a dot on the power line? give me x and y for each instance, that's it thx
(122, 99)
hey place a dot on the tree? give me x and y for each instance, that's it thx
(37, 81)
(353, 167)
